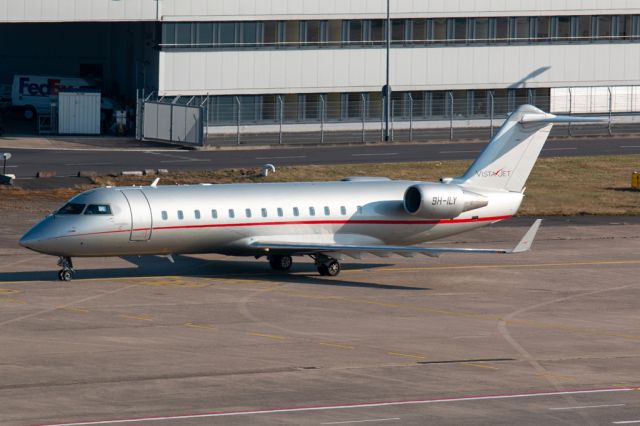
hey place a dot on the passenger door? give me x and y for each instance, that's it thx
(141, 219)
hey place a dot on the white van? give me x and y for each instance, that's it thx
(33, 94)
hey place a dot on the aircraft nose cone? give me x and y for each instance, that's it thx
(36, 238)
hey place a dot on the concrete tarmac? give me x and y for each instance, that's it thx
(547, 337)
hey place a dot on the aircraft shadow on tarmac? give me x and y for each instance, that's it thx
(186, 266)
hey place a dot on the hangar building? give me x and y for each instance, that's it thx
(257, 60)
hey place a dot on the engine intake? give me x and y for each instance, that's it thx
(440, 201)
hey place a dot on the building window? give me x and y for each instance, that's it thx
(334, 32)
(214, 214)
(180, 215)
(438, 30)
(169, 34)
(562, 27)
(227, 34)
(165, 216)
(270, 33)
(603, 26)
(290, 33)
(183, 34)
(398, 31)
(543, 28)
(196, 213)
(205, 34)
(480, 31)
(376, 31)
(501, 28)
(249, 33)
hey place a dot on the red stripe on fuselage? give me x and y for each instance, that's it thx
(304, 222)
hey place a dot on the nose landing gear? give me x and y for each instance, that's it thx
(67, 272)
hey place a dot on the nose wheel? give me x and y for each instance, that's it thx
(67, 272)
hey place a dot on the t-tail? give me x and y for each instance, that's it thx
(507, 161)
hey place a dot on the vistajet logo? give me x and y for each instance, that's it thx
(501, 173)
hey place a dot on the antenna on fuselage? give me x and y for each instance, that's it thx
(155, 183)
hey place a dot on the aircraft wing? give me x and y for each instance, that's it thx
(356, 251)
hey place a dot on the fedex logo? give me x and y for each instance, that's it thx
(49, 88)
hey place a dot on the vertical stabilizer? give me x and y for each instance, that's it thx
(507, 161)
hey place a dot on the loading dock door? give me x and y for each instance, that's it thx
(141, 220)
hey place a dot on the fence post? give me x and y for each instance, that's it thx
(451, 116)
(171, 122)
(322, 112)
(610, 110)
(138, 116)
(238, 120)
(410, 117)
(570, 108)
(382, 120)
(363, 112)
(281, 109)
(491, 111)
(393, 121)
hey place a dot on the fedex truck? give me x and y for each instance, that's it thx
(33, 94)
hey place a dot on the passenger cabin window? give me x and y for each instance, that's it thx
(312, 211)
(71, 208)
(280, 212)
(197, 214)
(214, 214)
(327, 211)
(165, 216)
(180, 215)
(247, 212)
(343, 210)
(232, 214)
(264, 212)
(296, 212)
(98, 209)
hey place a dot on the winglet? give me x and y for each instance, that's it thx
(527, 240)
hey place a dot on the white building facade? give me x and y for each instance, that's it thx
(260, 61)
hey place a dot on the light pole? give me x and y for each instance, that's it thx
(386, 90)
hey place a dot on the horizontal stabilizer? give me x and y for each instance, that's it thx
(356, 251)
(530, 118)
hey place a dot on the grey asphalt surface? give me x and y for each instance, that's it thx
(27, 162)
(546, 337)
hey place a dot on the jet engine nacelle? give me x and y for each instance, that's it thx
(440, 201)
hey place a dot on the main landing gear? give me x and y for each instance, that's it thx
(280, 262)
(67, 272)
(327, 266)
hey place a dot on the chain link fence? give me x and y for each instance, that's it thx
(415, 116)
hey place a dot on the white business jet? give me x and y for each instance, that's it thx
(323, 220)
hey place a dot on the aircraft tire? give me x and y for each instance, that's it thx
(333, 268)
(280, 262)
(65, 275)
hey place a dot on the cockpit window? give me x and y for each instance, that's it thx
(71, 208)
(98, 209)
